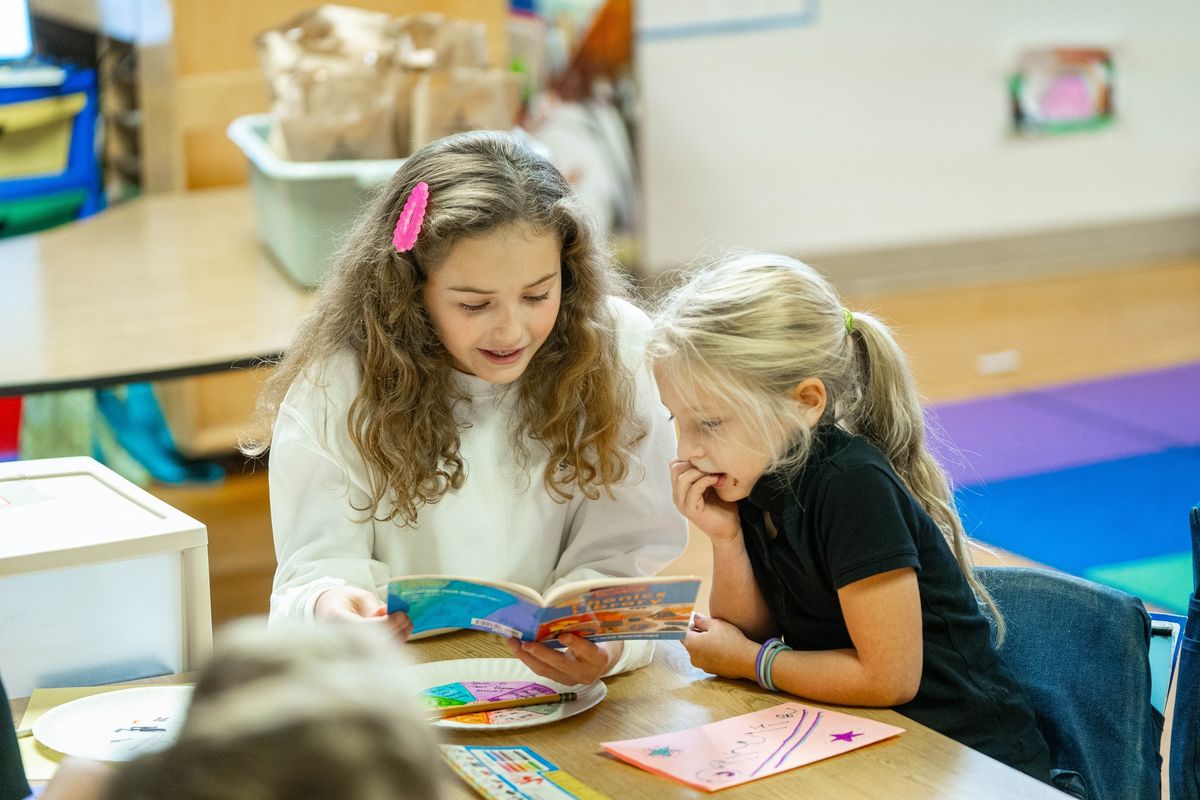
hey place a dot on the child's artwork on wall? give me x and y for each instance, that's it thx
(1062, 90)
(751, 746)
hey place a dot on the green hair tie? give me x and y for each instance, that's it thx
(849, 315)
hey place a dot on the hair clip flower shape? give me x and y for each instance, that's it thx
(409, 223)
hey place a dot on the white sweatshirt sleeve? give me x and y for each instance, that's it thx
(321, 540)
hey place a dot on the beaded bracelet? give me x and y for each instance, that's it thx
(765, 660)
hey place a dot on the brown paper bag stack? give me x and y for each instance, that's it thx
(348, 83)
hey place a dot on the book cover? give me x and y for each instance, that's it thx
(750, 746)
(515, 773)
(604, 609)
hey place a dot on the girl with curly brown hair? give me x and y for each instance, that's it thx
(468, 395)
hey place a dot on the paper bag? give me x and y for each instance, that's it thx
(333, 82)
(462, 100)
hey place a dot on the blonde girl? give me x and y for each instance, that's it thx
(841, 571)
(468, 396)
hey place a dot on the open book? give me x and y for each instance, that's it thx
(602, 609)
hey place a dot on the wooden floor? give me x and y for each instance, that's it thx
(1056, 330)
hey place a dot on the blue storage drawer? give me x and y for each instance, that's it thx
(83, 169)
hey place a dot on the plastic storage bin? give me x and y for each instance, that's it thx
(18, 217)
(81, 169)
(99, 581)
(304, 207)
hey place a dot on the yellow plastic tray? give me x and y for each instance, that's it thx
(35, 136)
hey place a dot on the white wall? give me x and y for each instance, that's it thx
(887, 124)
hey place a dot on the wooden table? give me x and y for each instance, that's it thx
(670, 694)
(162, 286)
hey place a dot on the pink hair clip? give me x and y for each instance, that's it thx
(409, 223)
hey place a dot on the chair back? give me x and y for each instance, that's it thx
(1080, 652)
(1184, 769)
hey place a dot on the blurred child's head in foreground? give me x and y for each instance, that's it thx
(306, 712)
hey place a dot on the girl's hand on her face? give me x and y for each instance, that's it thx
(580, 661)
(720, 648)
(352, 604)
(693, 494)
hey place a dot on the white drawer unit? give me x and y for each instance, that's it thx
(99, 580)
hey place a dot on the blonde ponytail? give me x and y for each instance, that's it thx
(888, 412)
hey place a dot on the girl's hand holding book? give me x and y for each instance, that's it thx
(690, 491)
(352, 604)
(580, 661)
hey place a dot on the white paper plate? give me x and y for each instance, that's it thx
(441, 673)
(115, 726)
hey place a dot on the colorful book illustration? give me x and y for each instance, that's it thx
(751, 746)
(602, 610)
(515, 773)
(464, 692)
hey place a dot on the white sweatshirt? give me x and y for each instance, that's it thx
(501, 525)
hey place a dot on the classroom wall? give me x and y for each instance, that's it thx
(878, 125)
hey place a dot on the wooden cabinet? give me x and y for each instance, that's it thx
(241, 552)
(207, 414)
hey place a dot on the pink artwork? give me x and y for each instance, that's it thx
(1063, 90)
(751, 746)
(1068, 98)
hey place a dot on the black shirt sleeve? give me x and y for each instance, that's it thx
(866, 525)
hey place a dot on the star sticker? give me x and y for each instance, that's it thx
(847, 736)
(663, 752)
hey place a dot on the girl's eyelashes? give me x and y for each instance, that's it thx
(472, 309)
(709, 424)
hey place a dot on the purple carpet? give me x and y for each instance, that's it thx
(981, 441)
(1093, 478)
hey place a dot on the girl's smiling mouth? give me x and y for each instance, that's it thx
(503, 357)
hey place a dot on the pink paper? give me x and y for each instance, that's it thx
(751, 746)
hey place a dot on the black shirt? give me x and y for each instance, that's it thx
(12, 773)
(846, 516)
